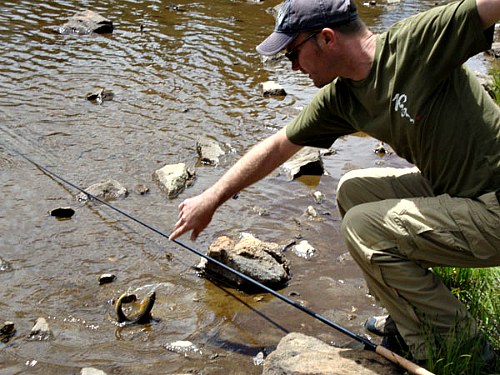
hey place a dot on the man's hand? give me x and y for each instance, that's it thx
(194, 215)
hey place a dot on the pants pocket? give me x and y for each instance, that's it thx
(479, 222)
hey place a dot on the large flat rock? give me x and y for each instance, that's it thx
(299, 354)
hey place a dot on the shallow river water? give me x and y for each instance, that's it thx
(177, 73)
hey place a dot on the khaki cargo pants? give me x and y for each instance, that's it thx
(395, 229)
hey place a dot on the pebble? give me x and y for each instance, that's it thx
(318, 196)
(91, 371)
(182, 347)
(106, 278)
(62, 212)
(311, 212)
(304, 249)
(41, 330)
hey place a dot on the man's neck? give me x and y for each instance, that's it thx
(359, 55)
(364, 56)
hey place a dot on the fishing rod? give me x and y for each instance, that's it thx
(368, 345)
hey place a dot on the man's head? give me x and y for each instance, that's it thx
(299, 16)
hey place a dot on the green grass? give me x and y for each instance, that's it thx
(495, 74)
(479, 290)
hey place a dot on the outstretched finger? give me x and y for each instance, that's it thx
(179, 229)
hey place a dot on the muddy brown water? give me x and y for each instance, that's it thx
(184, 73)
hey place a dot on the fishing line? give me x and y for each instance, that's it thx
(368, 345)
(366, 342)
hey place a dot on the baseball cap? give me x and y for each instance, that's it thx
(296, 16)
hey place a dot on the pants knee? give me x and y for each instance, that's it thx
(346, 191)
(353, 227)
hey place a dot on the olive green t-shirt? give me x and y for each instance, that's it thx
(421, 100)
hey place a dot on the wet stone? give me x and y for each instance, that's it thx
(7, 330)
(107, 190)
(183, 347)
(311, 212)
(4, 265)
(41, 331)
(141, 189)
(91, 371)
(106, 278)
(304, 355)
(318, 197)
(261, 261)
(62, 212)
(99, 96)
(86, 22)
(304, 250)
(271, 88)
(209, 150)
(305, 162)
(258, 360)
(173, 178)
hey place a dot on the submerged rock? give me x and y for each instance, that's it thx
(107, 190)
(141, 189)
(183, 347)
(99, 96)
(299, 354)
(262, 261)
(86, 22)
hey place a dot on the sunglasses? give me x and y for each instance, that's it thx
(294, 53)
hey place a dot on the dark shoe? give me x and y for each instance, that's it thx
(396, 344)
(488, 357)
(381, 326)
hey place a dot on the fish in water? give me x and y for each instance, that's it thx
(144, 311)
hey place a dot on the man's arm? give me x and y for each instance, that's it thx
(196, 213)
(489, 12)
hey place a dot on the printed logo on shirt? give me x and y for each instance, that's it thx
(399, 106)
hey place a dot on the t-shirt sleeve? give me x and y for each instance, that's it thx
(444, 37)
(320, 123)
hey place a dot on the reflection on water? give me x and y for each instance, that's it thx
(177, 72)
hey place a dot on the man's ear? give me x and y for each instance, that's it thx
(328, 36)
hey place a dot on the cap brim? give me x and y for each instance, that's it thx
(274, 43)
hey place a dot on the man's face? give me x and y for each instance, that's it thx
(306, 55)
